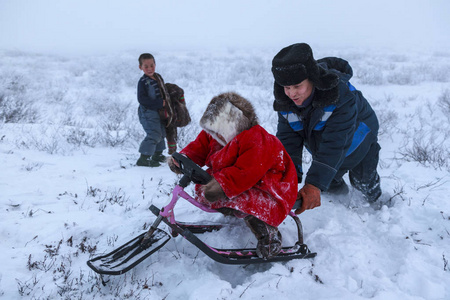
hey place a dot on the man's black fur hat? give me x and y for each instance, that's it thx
(295, 63)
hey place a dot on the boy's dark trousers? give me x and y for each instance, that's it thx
(364, 176)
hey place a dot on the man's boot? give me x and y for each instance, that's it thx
(269, 238)
(338, 188)
(370, 189)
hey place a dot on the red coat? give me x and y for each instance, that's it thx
(253, 169)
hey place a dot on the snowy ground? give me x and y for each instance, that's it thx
(69, 188)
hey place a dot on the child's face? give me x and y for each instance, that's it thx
(148, 67)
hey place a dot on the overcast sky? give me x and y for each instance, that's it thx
(96, 26)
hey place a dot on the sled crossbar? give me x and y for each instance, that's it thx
(237, 256)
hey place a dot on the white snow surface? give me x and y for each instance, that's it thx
(69, 189)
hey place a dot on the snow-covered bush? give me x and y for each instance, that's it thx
(15, 109)
(370, 76)
(444, 102)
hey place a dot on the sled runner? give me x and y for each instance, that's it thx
(138, 249)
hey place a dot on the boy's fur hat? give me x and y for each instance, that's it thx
(227, 115)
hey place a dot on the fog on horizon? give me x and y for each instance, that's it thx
(84, 27)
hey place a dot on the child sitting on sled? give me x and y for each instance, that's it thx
(253, 175)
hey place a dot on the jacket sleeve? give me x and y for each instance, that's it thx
(336, 139)
(199, 149)
(147, 96)
(292, 142)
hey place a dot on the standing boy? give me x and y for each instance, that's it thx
(153, 99)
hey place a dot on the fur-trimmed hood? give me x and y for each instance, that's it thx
(227, 115)
(332, 70)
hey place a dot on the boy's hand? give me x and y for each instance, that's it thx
(310, 196)
(213, 191)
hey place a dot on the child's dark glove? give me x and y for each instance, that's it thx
(173, 165)
(213, 191)
(310, 196)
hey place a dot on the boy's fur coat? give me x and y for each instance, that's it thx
(181, 115)
(165, 113)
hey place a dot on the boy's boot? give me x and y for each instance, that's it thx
(269, 238)
(158, 157)
(147, 161)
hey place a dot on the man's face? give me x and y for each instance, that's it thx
(148, 67)
(299, 92)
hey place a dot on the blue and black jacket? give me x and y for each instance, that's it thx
(337, 128)
(149, 93)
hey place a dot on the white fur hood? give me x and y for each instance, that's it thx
(226, 116)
